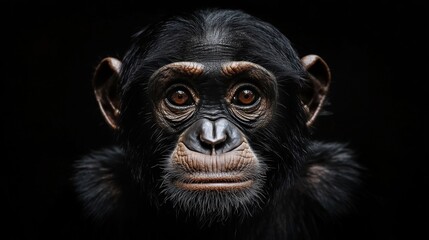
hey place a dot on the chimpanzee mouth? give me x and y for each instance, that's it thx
(214, 182)
(231, 171)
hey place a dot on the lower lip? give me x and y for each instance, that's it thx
(214, 186)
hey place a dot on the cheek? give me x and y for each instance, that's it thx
(169, 118)
(253, 119)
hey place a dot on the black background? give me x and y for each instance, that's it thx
(378, 54)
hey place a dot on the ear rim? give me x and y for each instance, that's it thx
(104, 83)
(320, 83)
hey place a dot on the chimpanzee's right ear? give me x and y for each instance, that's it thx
(106, 88)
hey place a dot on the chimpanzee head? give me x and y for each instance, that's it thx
(213, 112)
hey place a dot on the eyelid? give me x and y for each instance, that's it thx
(180, 86)
(171, 105)
(248, 107)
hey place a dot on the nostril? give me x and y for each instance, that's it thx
(214, 145)
(219, 146)
(213, 142)
(206, 146)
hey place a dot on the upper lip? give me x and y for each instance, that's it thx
(195, 163)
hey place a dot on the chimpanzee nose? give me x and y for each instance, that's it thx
(212, 137)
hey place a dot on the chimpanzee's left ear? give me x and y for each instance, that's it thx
(313, 95)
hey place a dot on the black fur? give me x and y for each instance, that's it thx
(324, 192)
(301, 182)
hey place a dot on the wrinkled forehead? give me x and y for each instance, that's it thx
(211, 47)
(202, 42)
(211, 53)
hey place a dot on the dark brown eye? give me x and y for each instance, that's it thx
(180, 97)
(245, 97)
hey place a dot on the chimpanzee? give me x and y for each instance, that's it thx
(213, 114)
